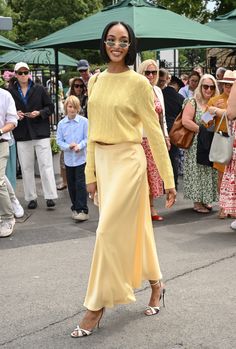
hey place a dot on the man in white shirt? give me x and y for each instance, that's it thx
(8, 121)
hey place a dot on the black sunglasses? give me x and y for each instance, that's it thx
(148, 72)
(22, 73)
(83, 70)
(211, 87)
(78, 85)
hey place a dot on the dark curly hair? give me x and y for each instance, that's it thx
(131, 54)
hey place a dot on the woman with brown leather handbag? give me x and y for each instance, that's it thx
(200, 181)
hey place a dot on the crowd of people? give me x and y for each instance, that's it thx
(114, 138)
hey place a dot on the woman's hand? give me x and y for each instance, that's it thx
(220, 103)
(212, 110)
(91, 189)
(170, 197)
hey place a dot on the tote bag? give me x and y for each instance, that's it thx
(222, 144)
(179, 135)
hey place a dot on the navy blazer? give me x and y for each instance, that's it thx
(38, 99)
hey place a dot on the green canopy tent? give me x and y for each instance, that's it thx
(225, 23)
(155, 28)
(38, 57)
(6, 44)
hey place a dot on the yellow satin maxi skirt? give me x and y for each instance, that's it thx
(125, 251)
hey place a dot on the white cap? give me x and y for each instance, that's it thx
(21, 65)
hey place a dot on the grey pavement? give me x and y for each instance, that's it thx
(45, 266)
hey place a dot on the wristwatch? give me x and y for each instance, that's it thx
(1, 132)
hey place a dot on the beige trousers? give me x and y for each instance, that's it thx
(26, 154)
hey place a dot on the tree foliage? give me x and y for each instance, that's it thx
(36, 18)
(223, 7)
(196, 10)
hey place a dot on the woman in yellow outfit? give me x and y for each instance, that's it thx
(120, 105)
(217, 105)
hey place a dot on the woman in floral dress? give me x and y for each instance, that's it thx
(150, 69)
(200, 181)
(228, 184)
(231, 114)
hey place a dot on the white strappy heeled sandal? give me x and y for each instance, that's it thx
(155, 310)
(81, 332)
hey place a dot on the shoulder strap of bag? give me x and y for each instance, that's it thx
(195, 105)
(227, 123)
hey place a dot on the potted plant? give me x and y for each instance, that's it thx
(56, 154)
(54, 146)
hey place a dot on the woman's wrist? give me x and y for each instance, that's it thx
(215, 111)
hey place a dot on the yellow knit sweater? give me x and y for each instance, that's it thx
(119, 106)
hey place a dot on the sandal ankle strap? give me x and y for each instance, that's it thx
(156, 283)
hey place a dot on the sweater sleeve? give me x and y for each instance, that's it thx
(90, 160)
(145, 105)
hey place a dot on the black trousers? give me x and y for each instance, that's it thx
(174, 158)
(77, 188)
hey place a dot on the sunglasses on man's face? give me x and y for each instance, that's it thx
(149, 72)
(22, 73)
(211, 87)
(227, 85)
(121, 44)
(78, 85)
(83, 70)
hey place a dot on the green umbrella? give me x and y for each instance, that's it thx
(155, 28)
(225, 23)
(38, 57)
(6, 44)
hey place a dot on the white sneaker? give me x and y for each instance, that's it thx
(81, 216)
(6, 227)
(74, 213)
(17, 208)
(233, 225)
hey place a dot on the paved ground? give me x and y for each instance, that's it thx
(44, 271)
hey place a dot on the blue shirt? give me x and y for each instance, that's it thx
(73, 131)
(186, 92)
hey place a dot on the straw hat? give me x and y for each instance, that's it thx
(229, 77)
